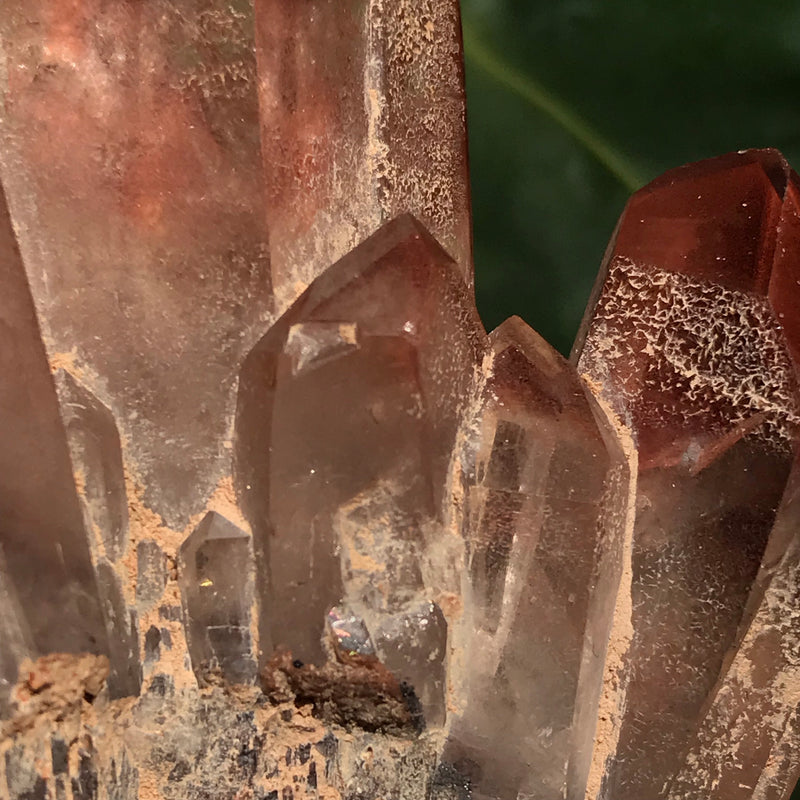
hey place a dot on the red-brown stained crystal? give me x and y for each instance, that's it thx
(131, 156)
(685, 342)
(346, 422)
(362, 108)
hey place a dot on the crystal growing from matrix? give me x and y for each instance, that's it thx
(215, 569)
(279, 519)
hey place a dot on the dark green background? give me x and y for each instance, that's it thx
(659, 84)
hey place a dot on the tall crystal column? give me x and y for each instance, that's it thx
(363, 119)
(45, 561)
(129, 146)
(548, 504)
(685, 342)
(347, 416)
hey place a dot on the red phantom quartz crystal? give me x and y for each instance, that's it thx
(692, 340)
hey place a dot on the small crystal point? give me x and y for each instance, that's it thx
(548, 498)
(686, 342)
(216, 579)
(362, 119)
(316, 485)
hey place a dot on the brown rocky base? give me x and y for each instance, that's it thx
(68, 740)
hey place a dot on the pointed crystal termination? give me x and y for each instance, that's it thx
(216, 578)
(693, 341)
(362, 119)
(96, 457)
(141, 216)
(550, 488)
(388, 338)
(44, 546)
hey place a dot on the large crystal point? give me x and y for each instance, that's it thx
(46, 559)
(548, 505)
(216, 578)
(691, 341)
(130, 151)
(347, 416)
(362, 119)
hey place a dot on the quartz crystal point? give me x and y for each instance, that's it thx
(692, 340)
(130, 150)
(347, 416)
(362, 109)
(548, 506)
(216, 578)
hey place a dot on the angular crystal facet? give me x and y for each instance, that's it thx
(686, 341)
(362, 120)
(342, 488)
(547, 500)
(216, 579)
(130, 149)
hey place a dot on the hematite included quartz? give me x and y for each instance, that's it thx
(362, 119)
(548, 500)
(347, 417)
(216, 579)
(692, 341)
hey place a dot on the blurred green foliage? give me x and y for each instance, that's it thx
(573, 103)
(556, 88)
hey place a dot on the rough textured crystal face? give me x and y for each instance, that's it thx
(347, 496)
(352, 135)
(548, 495)
(407, 560)
(216, 579)
(691, 341)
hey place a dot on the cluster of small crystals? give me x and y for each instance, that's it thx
(337, 493)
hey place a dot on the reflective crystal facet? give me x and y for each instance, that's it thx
(346, 493)
(686, 342)
(216, 580)
(362, 120)
(547, 510)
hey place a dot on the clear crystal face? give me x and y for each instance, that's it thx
(279, 518)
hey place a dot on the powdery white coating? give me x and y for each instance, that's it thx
(714, 355)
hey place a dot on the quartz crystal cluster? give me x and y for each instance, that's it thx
(280, 520)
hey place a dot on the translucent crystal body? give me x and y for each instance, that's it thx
(351, 137)
(347, 499)
(685, 342)
(216, 578)
(548, 505)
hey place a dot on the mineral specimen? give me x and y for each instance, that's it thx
(279, 519)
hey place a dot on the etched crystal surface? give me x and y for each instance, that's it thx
(685, 343)
(366, 551)
(352, 135)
